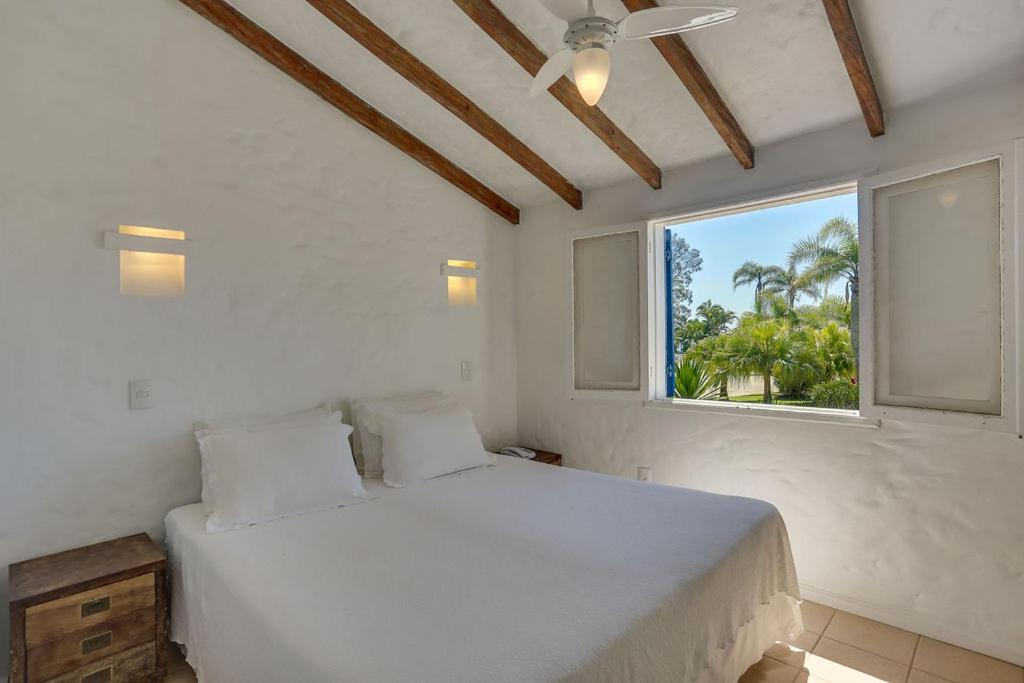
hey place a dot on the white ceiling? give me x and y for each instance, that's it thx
(776, 65)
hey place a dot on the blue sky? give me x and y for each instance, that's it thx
(764, 236)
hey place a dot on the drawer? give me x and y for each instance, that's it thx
(90, 645)
(58, 618)
(130, 666)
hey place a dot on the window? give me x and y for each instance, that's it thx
(760, 301)
(606, 312)
(894, 297)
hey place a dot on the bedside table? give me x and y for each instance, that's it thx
(548, 457)
(96, 614)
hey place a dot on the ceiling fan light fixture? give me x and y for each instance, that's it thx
(590, 69)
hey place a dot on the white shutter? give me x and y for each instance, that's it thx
(606, 312)
(938, 292)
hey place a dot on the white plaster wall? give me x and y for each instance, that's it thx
(922, 527)
(315, 275)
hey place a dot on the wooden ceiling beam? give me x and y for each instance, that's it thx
(506, 34)
(389, 51)
(257, 39)
(852, 50)
(678, 55)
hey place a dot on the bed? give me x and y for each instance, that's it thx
(517, 572)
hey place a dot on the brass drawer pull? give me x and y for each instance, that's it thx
(101, 676)
(95, 606)
(97, 642)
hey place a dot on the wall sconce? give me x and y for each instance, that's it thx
(152, 259)
(462, 276)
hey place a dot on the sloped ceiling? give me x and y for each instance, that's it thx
(777, 66)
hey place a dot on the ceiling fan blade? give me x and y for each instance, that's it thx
(663, 21)
(553, 69)
(567, 10)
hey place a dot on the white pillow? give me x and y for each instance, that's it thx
(320, 415)
(367, 416)
(259, 476)
(421, 446)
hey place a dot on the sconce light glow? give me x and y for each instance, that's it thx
(461, 282)
(590, 69)
(150, 273)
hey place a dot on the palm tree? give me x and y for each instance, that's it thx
(753, 273)
(831, 309)
(835, 353)
(773, 306)
(716, 318)
(711, 321)
(791, 285)
(760, 347)
(834, 254)
(710, 353)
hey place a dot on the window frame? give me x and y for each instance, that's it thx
(658, 314)
(643, 275)
(1011, 173)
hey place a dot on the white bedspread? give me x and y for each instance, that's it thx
(519, 572)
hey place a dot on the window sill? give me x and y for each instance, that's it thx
(850, 418)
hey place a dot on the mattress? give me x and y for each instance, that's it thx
(517, 572)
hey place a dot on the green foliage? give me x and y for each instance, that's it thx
(831, 254)
(790, 285)
(802, 349)
(686, 261)
(689, 334)
(711, 354)
(831, 309)
(760, 347)
(835, 351)
(753, 273)
(840, 393)
(818, 356)
(712, 320)
(805, 367)
(834, 254)
(772, 305)
(715, 317)
(692, 381)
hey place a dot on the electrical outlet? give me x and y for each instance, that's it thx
(644, 474)
(466, 370)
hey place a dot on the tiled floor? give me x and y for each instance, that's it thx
(837, 647)
(177, 670)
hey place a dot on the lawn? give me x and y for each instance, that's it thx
(759, 398)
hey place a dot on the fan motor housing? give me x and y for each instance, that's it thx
(591, 32)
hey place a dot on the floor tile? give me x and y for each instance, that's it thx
(816, 617)
(175, 660)
(769, 670)
(183, 676)
(875, 637)
(793, 652)
(963, 666)
(922, 677)
(854, 660)
(805, 677)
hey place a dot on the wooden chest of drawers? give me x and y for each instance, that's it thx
(91, 615)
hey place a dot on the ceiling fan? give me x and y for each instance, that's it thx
(589, 37)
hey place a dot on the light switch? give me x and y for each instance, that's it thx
(140, 394)
(466, 370)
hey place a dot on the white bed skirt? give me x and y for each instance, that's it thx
(753, 638)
